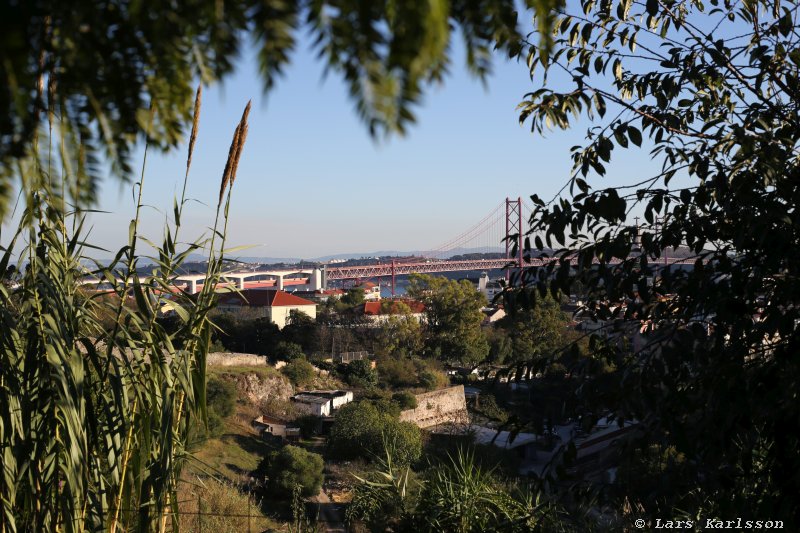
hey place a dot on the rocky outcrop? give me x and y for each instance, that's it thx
(260, 386)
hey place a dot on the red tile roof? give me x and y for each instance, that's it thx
(284, 299)
(262, 298)
(374, 308)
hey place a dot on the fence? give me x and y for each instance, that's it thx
(348, 357)
(197, 516)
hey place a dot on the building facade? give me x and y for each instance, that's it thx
(272, 304)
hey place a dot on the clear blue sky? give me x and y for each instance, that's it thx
(312, 182)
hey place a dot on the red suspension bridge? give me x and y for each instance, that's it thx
(498, 234)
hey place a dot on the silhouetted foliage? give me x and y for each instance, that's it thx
(100, 66)
(711, 91)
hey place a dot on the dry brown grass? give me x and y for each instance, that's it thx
(223, 507)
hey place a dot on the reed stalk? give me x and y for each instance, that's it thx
(97, 371)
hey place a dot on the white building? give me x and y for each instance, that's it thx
(268, 426)
(372, 291)
(489, 288)
(272, 304)
(312, 405)
(322, 402)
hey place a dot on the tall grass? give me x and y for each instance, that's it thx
(96, 397)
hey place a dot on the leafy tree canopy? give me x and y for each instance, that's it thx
(535, 332)
(454, 317)
(400, 334)
(100, 66)
(289, 351)
(353, 297)
(712, 91)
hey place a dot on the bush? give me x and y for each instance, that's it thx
(461, 495)
(221, 396)
(398, 373)
(404, 440)
(361, 374)
(487, 406)
(300, 372)
(405, 400)
(216, 426)
(291, 466)
(288, 351)
(361, 428)
(428, 380)
(221, 403)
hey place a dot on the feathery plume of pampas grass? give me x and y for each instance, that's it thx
(228, 175)
(242, 138)
(238, 154)
(198, 100)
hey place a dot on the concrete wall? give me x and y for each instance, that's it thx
(339, 401)
(438, 407)
(235, 359)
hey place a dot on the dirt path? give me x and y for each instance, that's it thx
(329, 514)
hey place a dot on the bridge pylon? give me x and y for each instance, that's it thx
(513, 232)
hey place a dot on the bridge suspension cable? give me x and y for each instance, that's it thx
(484, 235)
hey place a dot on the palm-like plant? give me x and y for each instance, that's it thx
(382, 498)
(94, 418)
(462, 496)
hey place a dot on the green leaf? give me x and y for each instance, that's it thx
(635, 135)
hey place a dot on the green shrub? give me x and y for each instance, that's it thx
(361, 429)
(397, 373)
(216, 426)
(405, 400)
(221, 396)
(405, 442)
(461, 495)
(289, 351)
(221, 403)
(487, 406)
(300, 372)
(361, 374)
(293, 466)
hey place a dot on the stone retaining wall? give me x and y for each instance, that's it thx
(445, 406)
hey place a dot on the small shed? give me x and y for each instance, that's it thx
(312, 405)
(269, 426)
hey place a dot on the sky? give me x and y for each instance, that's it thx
(312, 182)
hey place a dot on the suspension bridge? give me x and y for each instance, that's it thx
(498, 234)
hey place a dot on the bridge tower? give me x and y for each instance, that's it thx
(514, 232)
